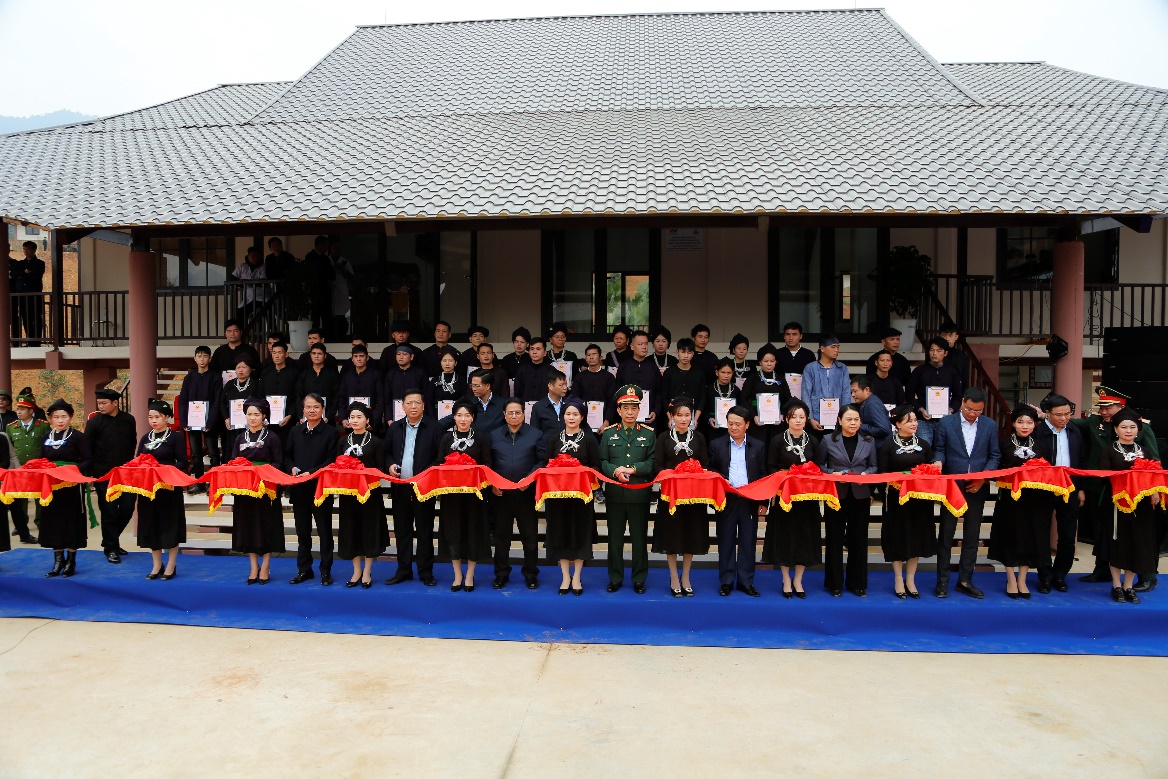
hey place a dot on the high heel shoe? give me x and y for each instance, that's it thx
(1024, 595)
(676, 593)
(154, 574)
(468, 588)
(801, 594)
(788, 594)
(565, 590)
(168, 576)
(914, 594)
(352, 583)
(366, 584)
(578, 591)
(900, 595)
(456, 587)
(253, 580)
(264, 581)
(1011, 595)
(688, 591)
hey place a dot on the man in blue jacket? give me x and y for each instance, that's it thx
(826, 378)
(965, 442)
(741, 459)
(874, 419)
(517, 449)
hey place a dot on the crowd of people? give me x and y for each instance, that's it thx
(631, 411)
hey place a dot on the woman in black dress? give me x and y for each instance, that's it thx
(724, 388)
(686, 532)
(257, 524)
(1133, 545)
(363, 532)
(245, 385)
(571, 522)
(460, 517)
(449, 384)
(792, 537)
(908, 532)
(162, 522)
(63, 527)
(739, 349)
(1021, 528)
(764, 379)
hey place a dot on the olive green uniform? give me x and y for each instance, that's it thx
(634, 447)
(27, 444)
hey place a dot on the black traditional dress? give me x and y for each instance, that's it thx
(715, 391)
(687, 529)
(759, 383)
(363, 528)
(571, 522)
(792, 537)
(906, 531)
(63, 521)
(1133, 545)
(447, 386)
(162, 522)
(1020, 532)
(460, 517)
(257, 523)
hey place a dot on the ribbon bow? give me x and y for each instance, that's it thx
(459, 458)
(563, 461)
(926, 469)
(1036, 462)
(689, 466)
(1144, 464)
(39, 463)
(142, 461)
(239, 461)
(805, 469)
(346, 463)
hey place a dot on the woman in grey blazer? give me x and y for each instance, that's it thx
(847, 450)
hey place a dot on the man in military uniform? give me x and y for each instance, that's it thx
(1100, 434)
(26, 434)
(626, 455)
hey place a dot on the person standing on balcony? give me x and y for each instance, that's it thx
(935, 376)
(254, 294)
(278, 263)
(201, 385)
(825, 380)
(900, 371)
(956, 358)
(113, 439)
(343, 277)
(27, 275)
(320, 274)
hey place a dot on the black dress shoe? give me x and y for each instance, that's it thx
(1011, 595)
(836, 593)
(801, 594)
(1144, 585)
(688, 591)
(112, 556)
(154, 574)
(1117, 594)
(788, 594)
(941, 590)
(639, 588)
(253, 580)
(970, 590)
(122, 551)
(326, 579)
(168, 576)
(613, 586)
(531, 582)
(858, 592)
(264, 581)
(676, 593)
(1095, 577)
(303, 576)
(725, 590)
(1059, 584)
(28, 539)
(366, 584)
(1130, 596)
(456, 587)
(468, 588)
(499, 583)
(749, 590)
(429, 580)
(1044, 587)
(399, 577)
(914, 594)
(899, 595)
(578, 590)
(15, 532)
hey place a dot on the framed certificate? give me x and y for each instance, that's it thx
(937, 401)
(795, 384)
(829, 412)
(361, 399)
(769, 412)
(279, 408)
(564, 367)
(228, 376)
(722, 407)
(595, 416)
(527, 407)
(740, 382)
(445, 408)
(238, 414)
(197, 415)
(643, 414)
(398, 411)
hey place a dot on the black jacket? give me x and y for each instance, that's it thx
(224, 358)
(200, 386)
(366, 384)
(327, 384)
(113, 440)
(425, 447)
(595, 385)
(756, 457)
(531, 380)
(273, 382)
(516, 455)
(310, 450)
(1045, 443)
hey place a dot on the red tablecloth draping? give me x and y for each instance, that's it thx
(457, 473)
(564, 477)
(925, 482)
(144, 476)
(243, 477)
(689, 484)
(1038, 474)
(1146, 478)
(347, 476)
(807, 482)
(37, 479)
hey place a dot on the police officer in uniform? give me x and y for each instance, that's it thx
(627, 451)
(26, 434)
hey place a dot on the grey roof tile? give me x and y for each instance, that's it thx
(1040, 84)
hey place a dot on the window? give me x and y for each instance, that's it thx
(1027, 254)
(430, 276)
(597, 279)
(193, 262)
(32, 231)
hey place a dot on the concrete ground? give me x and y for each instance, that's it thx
(96, 699)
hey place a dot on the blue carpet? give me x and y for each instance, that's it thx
(211, 591)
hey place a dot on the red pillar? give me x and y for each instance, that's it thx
(1066, 318)
(5, 313)
(143, 333)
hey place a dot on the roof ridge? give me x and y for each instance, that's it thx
(1106, 78)
(627, 15)
(292, 84)
(929, 57)
(999, 62)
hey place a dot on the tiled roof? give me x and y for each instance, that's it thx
(620, 63)
(842, 131)
(1037, 83)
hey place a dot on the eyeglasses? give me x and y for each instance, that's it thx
(1059, 414)
(513, 413)
(975, 412)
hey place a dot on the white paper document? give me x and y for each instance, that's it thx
(829, 412)
(722, 407)
(643, 414)
(595, 416)
(937, 401)
(769, 412)
(238, 414)
(197, 415)
(279, 408)
(795, 384)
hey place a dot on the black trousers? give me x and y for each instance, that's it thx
(306, 514)
(338, 328)
(970, 536)
(5, 538)
(115, 515)
(197, 440)
(1066, 517)
(28, 311)
(737, 527)
(413, 519)
(847, 527)
(20, 517)
(1096, 514)
(516, 508)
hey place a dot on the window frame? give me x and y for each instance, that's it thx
(184, 256)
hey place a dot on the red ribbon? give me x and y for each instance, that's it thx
(144, 476)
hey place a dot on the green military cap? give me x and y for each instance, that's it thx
(25, 400)
(6, 393)
(630, 393)
(1105, 396)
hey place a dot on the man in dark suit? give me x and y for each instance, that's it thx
(411, 446)
(311, 446)
(965, 442)
(1060, 443)
(740, 459)
(488, 403)
(547, 415)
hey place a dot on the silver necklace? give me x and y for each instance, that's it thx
(798, 448)
(55, 442)
(729, 391)
(250, 444)
(1136, 454)
(241, 387)
(1023, 450)
(763, 376)
(571, 443)
(907, 446)
(561, 355)
(442, 382)
(154, 441)
(660, 367)
(741, 371)
(357, 449)
(682, 446)
(462, 444)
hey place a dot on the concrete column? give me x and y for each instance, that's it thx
(143, 334)
(5, 314)
(1066, 318)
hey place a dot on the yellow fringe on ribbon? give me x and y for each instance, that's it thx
(693, 501)
(1062, 492)
(584, 496)
(113, 492)
(476, 491)
(830, 500)
(263, 492)
(1128, 505)
(8, 498)
(327, 491)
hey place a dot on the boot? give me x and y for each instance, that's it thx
(1145, 583)
(58, 564)
(70, 564)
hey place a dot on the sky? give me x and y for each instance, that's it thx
(109, 57)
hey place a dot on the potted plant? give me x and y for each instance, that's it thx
(906, 281)
(298, 292)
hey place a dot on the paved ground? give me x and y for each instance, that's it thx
(175, 701)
